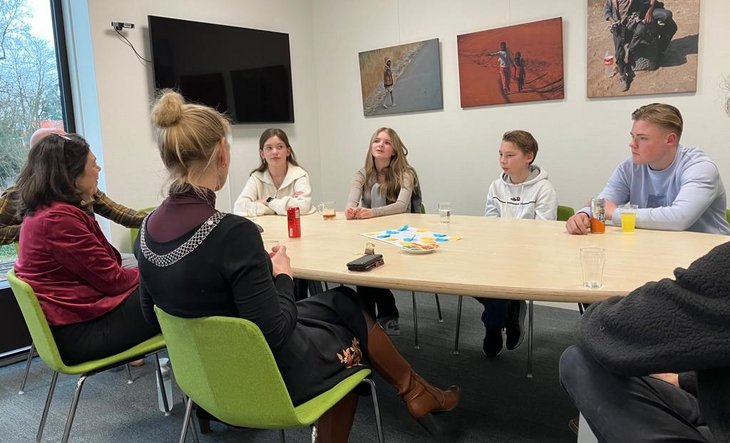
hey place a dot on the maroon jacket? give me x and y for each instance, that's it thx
(74, 271)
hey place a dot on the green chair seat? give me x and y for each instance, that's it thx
(565, 212)
(45, 345)
(224, 365)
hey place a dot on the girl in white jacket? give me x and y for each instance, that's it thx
(278, 183)
(522, 191)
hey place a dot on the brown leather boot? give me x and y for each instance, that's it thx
(421, 397)
(334, 425)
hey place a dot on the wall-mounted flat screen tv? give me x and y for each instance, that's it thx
(245, 73)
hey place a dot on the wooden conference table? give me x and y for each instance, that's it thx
(500, 258)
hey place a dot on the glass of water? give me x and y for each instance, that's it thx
(445, 212)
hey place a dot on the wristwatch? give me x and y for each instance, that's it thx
(268, 200)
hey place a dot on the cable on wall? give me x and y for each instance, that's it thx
(118, 26)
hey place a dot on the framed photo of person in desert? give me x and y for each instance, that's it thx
(519, 63)
(640, 47)
(403, 78)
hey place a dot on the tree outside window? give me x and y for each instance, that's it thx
(29, 85)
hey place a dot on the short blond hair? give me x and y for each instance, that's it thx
(666, 116)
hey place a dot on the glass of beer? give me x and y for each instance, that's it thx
(327, 209)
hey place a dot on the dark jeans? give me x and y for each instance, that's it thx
(669, 28)
(382, 298)
(114, 332)
(622, 408)
(495, 313)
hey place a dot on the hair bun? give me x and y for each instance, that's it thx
(168, 109)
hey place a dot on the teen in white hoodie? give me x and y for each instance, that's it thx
(522, 191)
(278, 183)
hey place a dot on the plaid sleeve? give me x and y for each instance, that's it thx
(117, 213)
(9, 217)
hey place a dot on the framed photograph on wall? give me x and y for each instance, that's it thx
(403, 78)
(520, 63)
(636, 50)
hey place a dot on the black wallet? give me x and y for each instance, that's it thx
(366, 262)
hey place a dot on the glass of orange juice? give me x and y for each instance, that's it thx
(628, 217)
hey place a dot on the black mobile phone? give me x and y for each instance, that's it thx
(366, 262)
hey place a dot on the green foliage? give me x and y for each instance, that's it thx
(29, 86)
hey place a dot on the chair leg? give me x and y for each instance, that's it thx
(27, 368)
(282, 435)
(415, 321)
(130, 380)
(188, 422)
(580, 308)
(438, 308)
(193, 431)
(458, 326)
(161, 383)
(529, 340)
(72, 409)
(376, 408)
(44, 416)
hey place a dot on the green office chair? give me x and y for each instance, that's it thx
(727, 215)
(134, 232)
(416, 345)
(32, 353)
(46, 346)
(565, 212)
(224, 365)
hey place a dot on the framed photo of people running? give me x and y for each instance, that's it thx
(642, 47)
(519, 63)
(403, 78)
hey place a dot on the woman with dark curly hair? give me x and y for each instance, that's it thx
(90, 301)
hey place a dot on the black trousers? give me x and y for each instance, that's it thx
(380, 297)
(623, 409)
(113, 332)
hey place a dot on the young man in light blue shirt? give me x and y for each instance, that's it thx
(676, 188)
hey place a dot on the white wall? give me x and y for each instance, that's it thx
(124, 86)
(455, 150)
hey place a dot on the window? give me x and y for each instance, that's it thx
(34, 81)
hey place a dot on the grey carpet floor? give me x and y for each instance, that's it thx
(498, 403)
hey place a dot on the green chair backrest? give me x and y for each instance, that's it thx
(565, 212)
(134, 232)
(727, 215)
(37, 324)
(225, 365)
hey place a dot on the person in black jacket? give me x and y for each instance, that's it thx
(655, 366)
(195, 261)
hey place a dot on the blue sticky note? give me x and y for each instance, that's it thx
(384, 236)
(404, 228)
(440, 235)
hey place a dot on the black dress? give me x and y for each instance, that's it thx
(221, 268)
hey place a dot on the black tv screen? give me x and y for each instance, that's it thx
(245, 73)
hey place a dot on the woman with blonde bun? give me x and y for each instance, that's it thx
(196, 261)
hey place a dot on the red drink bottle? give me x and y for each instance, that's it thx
(293, 222)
